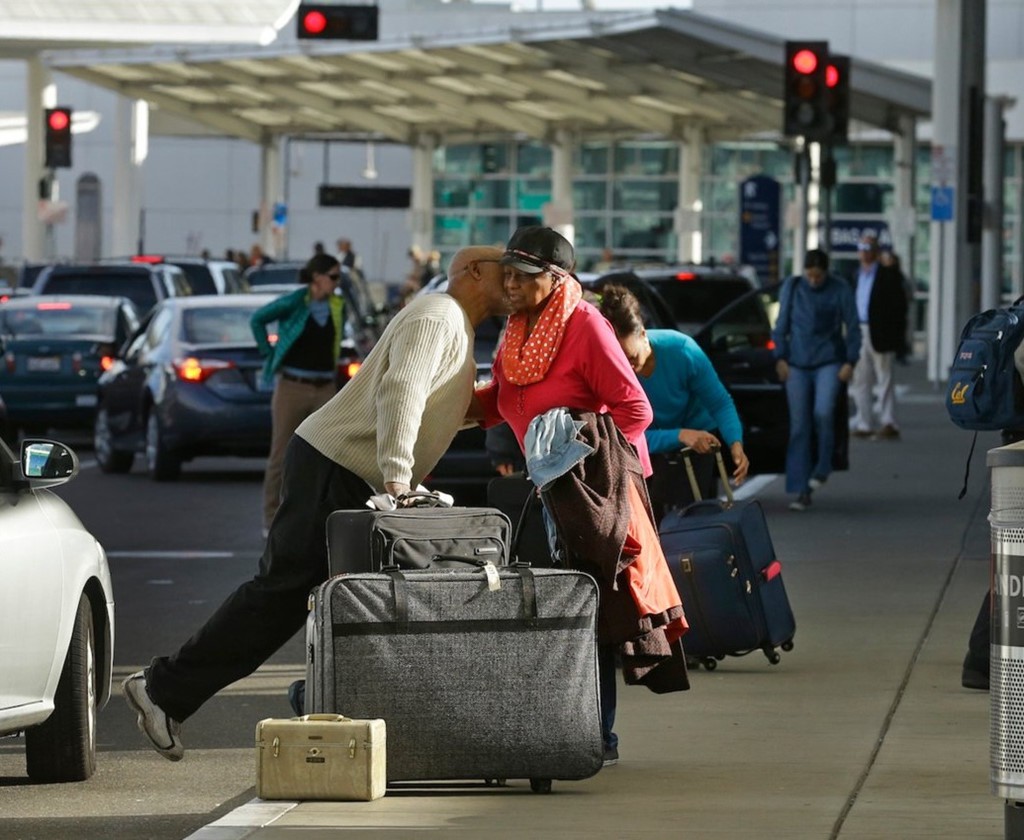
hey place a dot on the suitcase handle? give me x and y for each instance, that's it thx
(323, 716)
(529, 612)
(686, 452)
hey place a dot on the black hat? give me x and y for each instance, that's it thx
(534, 249)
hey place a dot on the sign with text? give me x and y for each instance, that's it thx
(846, 233)
(760, 228)
(942, 204)
(388, 197)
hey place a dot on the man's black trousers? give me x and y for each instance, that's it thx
(265, 612)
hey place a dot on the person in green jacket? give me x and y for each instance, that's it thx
(301, 363)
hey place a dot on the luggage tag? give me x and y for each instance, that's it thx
(493, 578)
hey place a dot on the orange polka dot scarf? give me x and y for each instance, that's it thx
(526, 360)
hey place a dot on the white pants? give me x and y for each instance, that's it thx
(873, 372)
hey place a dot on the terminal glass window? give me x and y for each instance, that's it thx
(652, 157)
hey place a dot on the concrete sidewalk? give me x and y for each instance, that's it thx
(862, 731)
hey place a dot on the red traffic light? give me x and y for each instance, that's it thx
(831, 75)
(58, 120)
(805, 61)
(314, 22)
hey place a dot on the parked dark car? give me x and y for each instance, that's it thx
(144, 285)
(54, 350)
(188, 383)
(205, 277)
(276, 278)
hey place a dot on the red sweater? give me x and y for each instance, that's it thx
(589, 373)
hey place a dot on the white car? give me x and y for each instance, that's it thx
(56, 616)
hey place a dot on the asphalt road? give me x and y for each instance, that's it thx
(176, 550)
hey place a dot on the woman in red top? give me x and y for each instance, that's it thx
(559, 351)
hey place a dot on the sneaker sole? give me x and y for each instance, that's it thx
(175, 752)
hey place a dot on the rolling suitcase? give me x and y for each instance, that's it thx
(483, 674)
(415, 538)
(724, 565)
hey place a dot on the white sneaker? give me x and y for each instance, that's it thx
(161, 729)
(816, 482)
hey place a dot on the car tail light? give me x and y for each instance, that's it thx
(272, 338)
(352, 368)
(199, 370)
(4, 298)
(769, 345)
(76, 362)
(106, 362)
(43, 307)
(686, 275)
(149, 259)
(9, 361)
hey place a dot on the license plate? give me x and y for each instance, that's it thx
(85, 400)
(43, 364)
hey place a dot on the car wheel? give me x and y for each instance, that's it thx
(63, 749)
(162, 464)
(109, 459)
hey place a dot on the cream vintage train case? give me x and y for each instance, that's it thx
(322, 756)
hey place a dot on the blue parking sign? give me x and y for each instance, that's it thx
(942, 204)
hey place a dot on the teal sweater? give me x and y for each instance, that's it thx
(685, 393)
(290, 311)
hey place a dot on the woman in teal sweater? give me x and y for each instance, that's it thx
(302, 362)
(689, 401)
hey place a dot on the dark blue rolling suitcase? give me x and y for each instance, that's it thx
(724, 565)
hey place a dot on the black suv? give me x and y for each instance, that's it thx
(144, 285)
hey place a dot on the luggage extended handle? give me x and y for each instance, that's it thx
(686, 452)
(529, 606)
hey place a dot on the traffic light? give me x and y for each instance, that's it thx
(837, 85)
(806, 106)
(57, 137)
(336, 23)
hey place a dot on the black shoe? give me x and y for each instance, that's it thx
(972, 676)
(611, 756)
(297, 697)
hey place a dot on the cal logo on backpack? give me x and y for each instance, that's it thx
(985, 391)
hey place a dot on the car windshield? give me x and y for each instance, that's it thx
(138, 288)
(199, 278)
(273, 275)
(217, 325)
(57, 320)
(694, 302)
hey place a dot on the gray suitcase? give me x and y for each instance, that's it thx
(472, 682)
(414, 538)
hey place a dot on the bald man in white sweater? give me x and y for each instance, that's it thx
(383, 432)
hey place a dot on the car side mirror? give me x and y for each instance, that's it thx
(46, 463)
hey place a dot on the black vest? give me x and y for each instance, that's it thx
(314, 348)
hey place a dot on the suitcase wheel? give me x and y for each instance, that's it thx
(540, 785)
(709, 663)
(773, 656)
(787, 645)
(495, 782)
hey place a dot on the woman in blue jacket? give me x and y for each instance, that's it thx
(817, 343)
(302, 363)
(691, 405)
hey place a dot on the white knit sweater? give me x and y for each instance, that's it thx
(396, 417)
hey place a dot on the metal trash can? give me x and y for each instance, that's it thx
(1006, 654)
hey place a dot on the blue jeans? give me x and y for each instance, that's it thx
(811, 394)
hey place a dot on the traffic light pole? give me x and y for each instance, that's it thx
(802, 164)
(828, 181)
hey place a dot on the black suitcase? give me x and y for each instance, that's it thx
(724, 565)
(516, 497)
(416, 538)
(483, 674)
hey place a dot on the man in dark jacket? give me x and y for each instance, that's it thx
(882, 310)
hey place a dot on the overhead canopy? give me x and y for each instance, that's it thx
(627, 73)
(30, 27)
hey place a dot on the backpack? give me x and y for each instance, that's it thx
(985, 391)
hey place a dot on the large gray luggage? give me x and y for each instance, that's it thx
(474, 682)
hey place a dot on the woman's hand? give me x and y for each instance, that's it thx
(700, 442)
(739, 458)
(846, 372)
